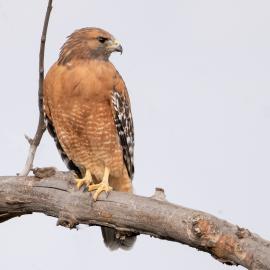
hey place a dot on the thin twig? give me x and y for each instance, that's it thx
(34, 143)
(56, 196)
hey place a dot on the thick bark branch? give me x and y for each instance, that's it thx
(34, 143)
(57, 196)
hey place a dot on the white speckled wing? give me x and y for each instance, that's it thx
(124, 125)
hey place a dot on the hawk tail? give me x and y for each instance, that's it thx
(114, 239)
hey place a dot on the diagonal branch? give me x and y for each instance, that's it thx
(34, 143)
(56, 196)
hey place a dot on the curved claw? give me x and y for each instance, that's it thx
(99, 188)
(81, 182)
(87, 180)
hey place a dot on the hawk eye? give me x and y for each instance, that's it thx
(102, 39)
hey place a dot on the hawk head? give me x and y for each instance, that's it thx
(89, 43)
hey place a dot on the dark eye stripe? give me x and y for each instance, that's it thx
(102, 39)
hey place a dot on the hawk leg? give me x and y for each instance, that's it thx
(102, 186)
(86, 180)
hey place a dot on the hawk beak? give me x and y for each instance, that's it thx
(115, 46)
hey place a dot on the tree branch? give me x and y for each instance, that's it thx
(34, 143)
(57, 196)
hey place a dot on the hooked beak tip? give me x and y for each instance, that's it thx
(119, 48)
(115, 46)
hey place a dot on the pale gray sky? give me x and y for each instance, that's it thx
(198, 76)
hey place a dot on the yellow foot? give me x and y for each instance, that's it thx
(103, 186)
(99, 188)
(87, 180)
(81, 182)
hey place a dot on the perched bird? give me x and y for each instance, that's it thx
(87, 110)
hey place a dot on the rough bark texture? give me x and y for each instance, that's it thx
(57, 196)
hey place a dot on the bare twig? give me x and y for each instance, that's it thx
(41, 124)
(56, 196)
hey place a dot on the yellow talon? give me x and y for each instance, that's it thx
(86, 180)
(99, 188)
(103, 186)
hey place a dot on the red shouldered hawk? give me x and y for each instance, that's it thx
(88, 113)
